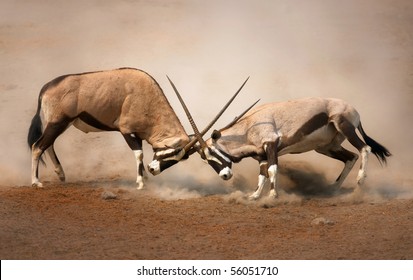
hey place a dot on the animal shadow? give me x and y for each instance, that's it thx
(303, 179)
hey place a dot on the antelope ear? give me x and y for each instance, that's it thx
(216, 135)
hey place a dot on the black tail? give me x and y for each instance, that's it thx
(377, 149)
(35, 130)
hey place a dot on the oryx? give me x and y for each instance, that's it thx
(291, 127)
(127, 100)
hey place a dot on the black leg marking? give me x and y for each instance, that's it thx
(58, 167)
(134, 142)
(264, 168)
(343, 155)
(349, 131)
(51, 132)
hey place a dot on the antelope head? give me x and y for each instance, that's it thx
(218, 160)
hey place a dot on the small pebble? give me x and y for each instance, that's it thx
(108, 195)
(322, 221)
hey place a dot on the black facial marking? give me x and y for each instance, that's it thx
(218, 167)
(214, 164)
(167, 155)
(166, 164)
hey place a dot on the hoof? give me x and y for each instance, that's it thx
(273, 194)
(253, 197)
(140, 186)
(37, 185)
(361, 179)
(60, 174)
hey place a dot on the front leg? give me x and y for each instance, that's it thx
(140, 169)
(262, 178)
(135, 143)
(272, 156)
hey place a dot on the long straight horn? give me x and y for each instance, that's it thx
(240, 116)
(191, 121)
(198, 134)
(223, 110)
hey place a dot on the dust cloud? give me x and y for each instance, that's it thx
(360, 51)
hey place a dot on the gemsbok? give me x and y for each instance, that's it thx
(292, 127)
(127, 100)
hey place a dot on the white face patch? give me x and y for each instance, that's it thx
(154, 167)
(164, 152)
(226, 173)
(176, 157)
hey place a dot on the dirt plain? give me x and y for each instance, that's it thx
(360, 51)
(87, 221)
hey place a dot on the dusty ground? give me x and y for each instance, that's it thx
(83, 221)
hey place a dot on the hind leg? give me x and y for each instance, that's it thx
(361, 176)
(36, 154)
(135, 144)
(349, 131)
(51, 132)
(272, 156)
(341, 154)
(58, 167)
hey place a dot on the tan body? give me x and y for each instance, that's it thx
(295, 126)
(125, 100)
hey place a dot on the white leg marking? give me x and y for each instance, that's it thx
(139, 163)
(364, 160)
(35, 164)
(272, 173)
(261, 182)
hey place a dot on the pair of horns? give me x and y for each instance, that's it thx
(199, 134)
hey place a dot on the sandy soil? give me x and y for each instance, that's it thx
(87, 221)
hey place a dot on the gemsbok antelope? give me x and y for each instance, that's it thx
(291, 127)
(127, 100)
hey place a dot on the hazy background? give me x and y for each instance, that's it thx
(360, 51)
